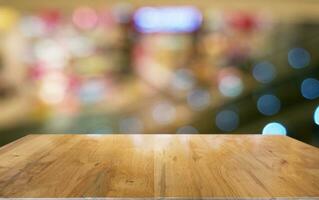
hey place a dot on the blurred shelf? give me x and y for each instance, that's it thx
(285, 10)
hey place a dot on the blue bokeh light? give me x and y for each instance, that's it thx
(268, 104)
(316, 116)
(298, 58)
(227, 120)
(167, 19)
(274, 128)
(198, 99)
(310, 88)
(264, 72)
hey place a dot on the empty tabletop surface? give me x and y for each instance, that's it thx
(144, 166)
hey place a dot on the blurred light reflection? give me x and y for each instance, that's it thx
(85, 18)
(316, 115)
(167, 19)
(264, 72)
(298, 58)
(227, 120)
(164, 113)
(274, 128)
(183, 79)
(310, 88)
(268, 104)
(231, 86)
(198, 99)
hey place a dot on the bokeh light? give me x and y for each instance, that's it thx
(274, 128)
(316, 115)
(310, 88)
(231, 86)
(8, 17)
(298, 58)
(227, 120)
(32, 26)
(51, 18)
(53, 88)
(50, 53)
(183, 79)
(264, 72)
(268, 104)
(198, 99)
(167, 19)
(92, 91)
(85, 18)
(80, 46)
(164, 112)
(129, 67)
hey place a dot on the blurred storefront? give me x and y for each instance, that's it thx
(125, 67)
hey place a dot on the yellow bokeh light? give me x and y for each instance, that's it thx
(8, 17)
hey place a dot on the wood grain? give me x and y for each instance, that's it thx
(141, 166)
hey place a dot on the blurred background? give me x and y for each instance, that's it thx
(159, 66)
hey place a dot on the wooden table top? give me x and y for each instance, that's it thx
(141, 166)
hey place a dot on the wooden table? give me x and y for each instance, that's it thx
(141, 166)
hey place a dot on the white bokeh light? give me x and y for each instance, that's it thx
(51, 53)
(53, 88)
(231, 86)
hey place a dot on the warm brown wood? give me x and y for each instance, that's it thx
(232, 166)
